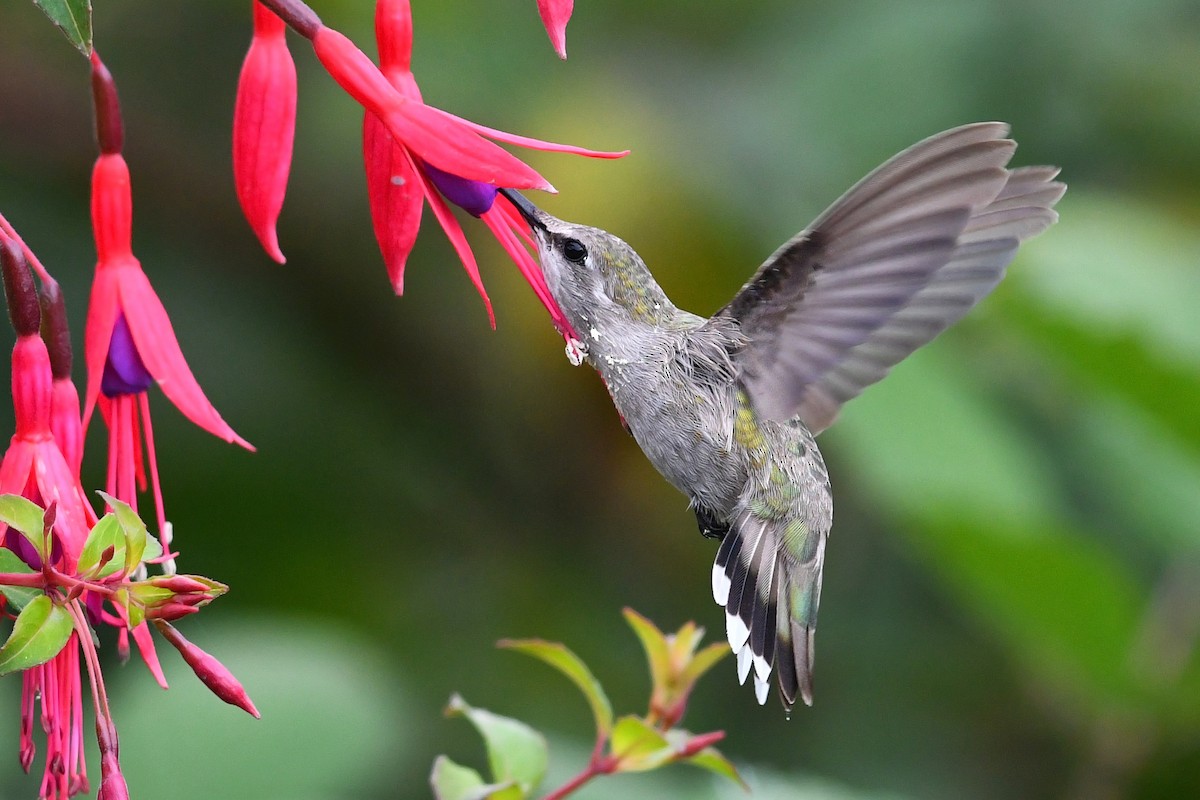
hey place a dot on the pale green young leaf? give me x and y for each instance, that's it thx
(638, 746)
(104, 534)
(73, 18)
(25, 517)
(658, 653)
(561, 658)
(703, 661)
(516, 752)
(451, 781)
(139, 544)
(713, 760)
(710, 758)
(17, 596)
(39, 633)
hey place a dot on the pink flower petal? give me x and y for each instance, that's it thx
(535, 144)
(445, 143)
(394, 34)
(145, 645)
(555, 15)
(159, 350)
(264, 127)
(458, 239)
(395, 197)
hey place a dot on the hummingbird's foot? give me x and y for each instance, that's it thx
(710, 526)
(576, 351)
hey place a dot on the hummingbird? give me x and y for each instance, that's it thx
(727, 408)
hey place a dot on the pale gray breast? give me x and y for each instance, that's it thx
(677, 397)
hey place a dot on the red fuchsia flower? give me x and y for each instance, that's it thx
(264, 127)
(414, 151)
(64, 398)
(34, 468)
(33, 465)
(129, 342)
(399, 178)
(555, 15)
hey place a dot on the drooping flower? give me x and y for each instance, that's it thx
(129, 344)
(34, 468)
(33, 465)
(406, 142)
(555, 16)
(398, 176)
(264, 127)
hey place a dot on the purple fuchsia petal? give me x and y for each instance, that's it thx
(124, 372)
(471, 196)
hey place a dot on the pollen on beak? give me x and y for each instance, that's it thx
(529, 211)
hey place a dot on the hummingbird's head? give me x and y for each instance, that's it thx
(594, 276)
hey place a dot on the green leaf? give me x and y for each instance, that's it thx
(17, 596)
(38, 635)
(561, 658)
(516, 752)
(638, 746)
(451, 781)
(139, 545)
(658, 653)
(27, 518)
(104, 534)
(711, 759)
(73, 18)
(703, 661)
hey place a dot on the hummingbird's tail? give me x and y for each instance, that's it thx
(767, 575)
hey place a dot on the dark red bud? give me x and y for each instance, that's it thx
(106, 555)
(299, 17)
(50, 516)
(55, 332)
(19, 288)
(110, 131)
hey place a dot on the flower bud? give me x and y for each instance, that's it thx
(211, 672)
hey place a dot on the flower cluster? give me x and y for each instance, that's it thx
(65, 570)
(414, 153)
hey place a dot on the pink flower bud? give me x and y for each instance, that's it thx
(211, 672)
(112, 782)
(170, 611)
(181, 584)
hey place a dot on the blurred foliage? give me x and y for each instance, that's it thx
(1012, 591)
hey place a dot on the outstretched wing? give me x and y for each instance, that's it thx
(894, 262)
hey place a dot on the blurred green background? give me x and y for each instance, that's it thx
(1012, 590)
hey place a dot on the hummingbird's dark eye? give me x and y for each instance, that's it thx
(574, 251)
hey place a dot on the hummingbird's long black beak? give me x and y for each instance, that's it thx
(528, 210)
